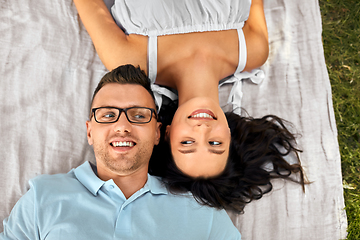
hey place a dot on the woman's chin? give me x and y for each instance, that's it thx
(199, 103)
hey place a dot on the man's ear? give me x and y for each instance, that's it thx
(167, 132)
(88, 132)
(158, 134)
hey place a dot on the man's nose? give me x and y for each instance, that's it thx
(123, 124)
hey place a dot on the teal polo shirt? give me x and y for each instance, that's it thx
(79, 205)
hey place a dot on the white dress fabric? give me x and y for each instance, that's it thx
(159, 17)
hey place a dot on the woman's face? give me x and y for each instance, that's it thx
(200, 138)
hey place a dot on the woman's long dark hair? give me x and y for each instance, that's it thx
(257, 150)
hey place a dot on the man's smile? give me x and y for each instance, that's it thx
(123, 144)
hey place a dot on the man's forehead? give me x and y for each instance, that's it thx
(123, 95)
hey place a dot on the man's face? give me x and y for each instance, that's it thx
(136, 140)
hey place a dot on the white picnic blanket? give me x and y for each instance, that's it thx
(49, 69)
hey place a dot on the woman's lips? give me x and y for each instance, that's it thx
(202, 114)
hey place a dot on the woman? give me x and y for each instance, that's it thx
(191, 54)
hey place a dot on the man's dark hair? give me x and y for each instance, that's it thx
(125, 74)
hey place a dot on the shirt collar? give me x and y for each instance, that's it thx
(155, 185)
(85, 173)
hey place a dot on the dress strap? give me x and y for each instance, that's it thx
(161, 91)
(242, 51)
(152, 72)
(256, 76)
(152, 58)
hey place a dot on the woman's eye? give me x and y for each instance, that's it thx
(187, 142)
(214, 143)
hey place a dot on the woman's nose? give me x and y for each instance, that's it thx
(203, 126)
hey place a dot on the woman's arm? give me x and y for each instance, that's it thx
(113, 46)
(256, 36)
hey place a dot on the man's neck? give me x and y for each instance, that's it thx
(128, 183)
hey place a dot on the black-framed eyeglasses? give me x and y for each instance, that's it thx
(138, 115)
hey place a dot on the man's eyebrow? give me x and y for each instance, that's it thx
(130, 106)
(219, 152)
(187, 151)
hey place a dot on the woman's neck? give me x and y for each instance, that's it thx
(197, 80)
(194, 63)
(197, 87)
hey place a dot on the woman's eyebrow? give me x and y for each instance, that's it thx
(219, 152)
(187, 151)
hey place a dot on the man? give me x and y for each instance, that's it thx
(116, 199)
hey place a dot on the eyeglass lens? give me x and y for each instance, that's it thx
(135, 114)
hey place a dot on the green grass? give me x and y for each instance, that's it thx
(341, 38)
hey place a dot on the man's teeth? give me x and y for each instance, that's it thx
(123, 144)
(202, 115)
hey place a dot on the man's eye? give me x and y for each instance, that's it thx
(187, 142)
(214, 143)
(109, 115)
(139, 116)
